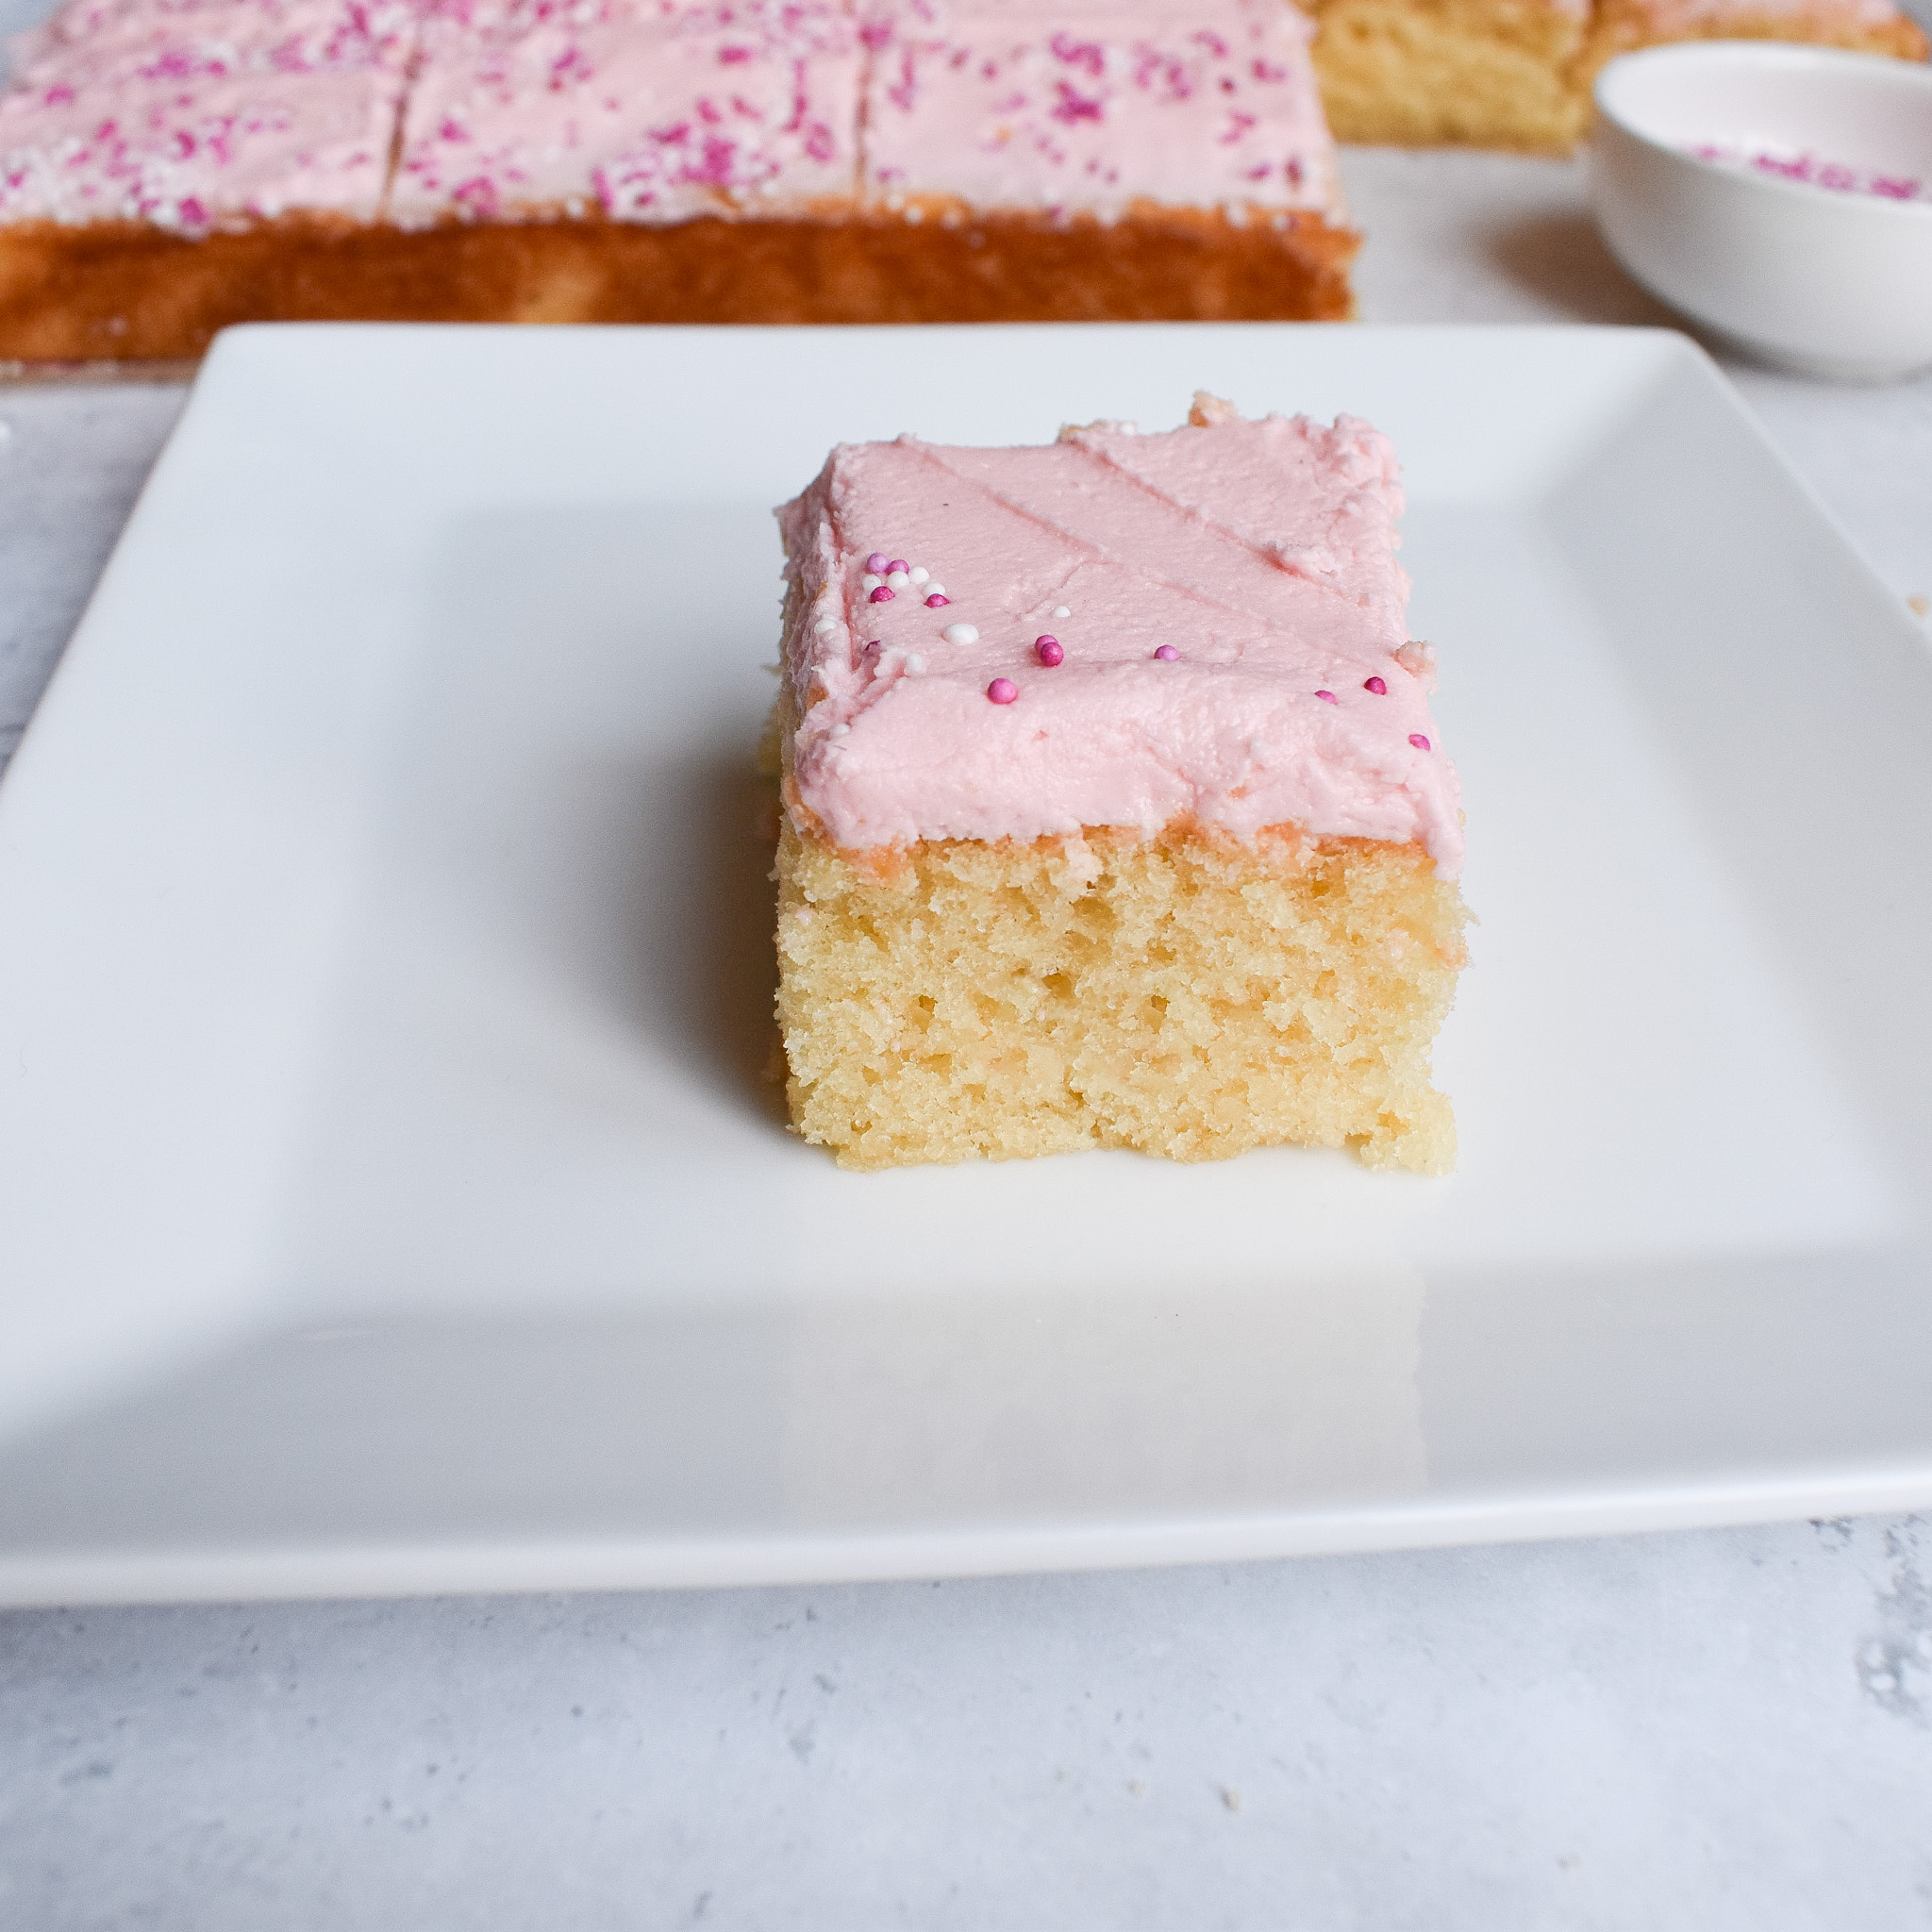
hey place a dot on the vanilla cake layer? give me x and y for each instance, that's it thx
(1501, 74)
(1114, 811)
(1517, 73)
(1184, 995)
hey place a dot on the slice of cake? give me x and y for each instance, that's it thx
(1114, 811)
(1517, 73)
(1106, 158)
(1500, 73)
(641, 110)
(171, 166)
(201, 116)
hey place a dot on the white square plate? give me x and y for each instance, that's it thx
(392, 1199)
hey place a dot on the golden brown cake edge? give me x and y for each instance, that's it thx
(129, 291)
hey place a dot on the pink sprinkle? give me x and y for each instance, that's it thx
(1048, 650)
(1416, 738)
(1167, 654)
(1375, 684)
(1003, 690)
(875, 563)
(1328, 696)
(882, 595)
(934, 601)
(896, 563)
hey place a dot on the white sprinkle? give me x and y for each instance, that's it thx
(935, 589)
(919, 573)
(915, 214)
(869, 582)
(915, 664)
(896, 579)
(825, 623)
(961, 634)
(1062, 610)
(840, 730)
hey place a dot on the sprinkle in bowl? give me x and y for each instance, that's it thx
(1780, 195)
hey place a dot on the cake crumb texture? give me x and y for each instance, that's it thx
(1517, 73)
(1495, 74)
(1188, 995)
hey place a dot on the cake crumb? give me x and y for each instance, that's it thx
(1210, 410)
(1918, 604)
(1231, 1797)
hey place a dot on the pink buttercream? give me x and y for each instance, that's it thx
(651, 110)
(196, 114)
(1264, 550)
(192, 114)
(1095, 103)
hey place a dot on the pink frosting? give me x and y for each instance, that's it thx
(199, 113)
(1263, 553)
(1008, 103)
(651, 110)
(194, 115)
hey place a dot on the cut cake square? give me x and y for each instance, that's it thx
(1095, 153)
(643, 110)
(197, 116)
(1114, 811)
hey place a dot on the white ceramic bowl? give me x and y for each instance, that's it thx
(1836, 281)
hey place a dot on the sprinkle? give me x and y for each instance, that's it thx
(963, 634)
(914, 663)
(840, 730)
(936, 598)
(825, 623)
(1416, 738)
(1167, 654)
(897, 579)
(1328, 697)
(1375, 684)
(876, 562)
(934, 587)
(895, 563)
(870, 582)
(881, 595)
(1048, 651)
(919, 573)
(1062, 610)
(1003, 690)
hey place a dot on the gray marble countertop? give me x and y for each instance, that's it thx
(1712, 1730)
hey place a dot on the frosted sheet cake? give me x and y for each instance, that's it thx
(170, 166)
(1114, 811)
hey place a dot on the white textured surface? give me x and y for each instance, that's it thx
(1725, 1729)
(1713, 1733)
